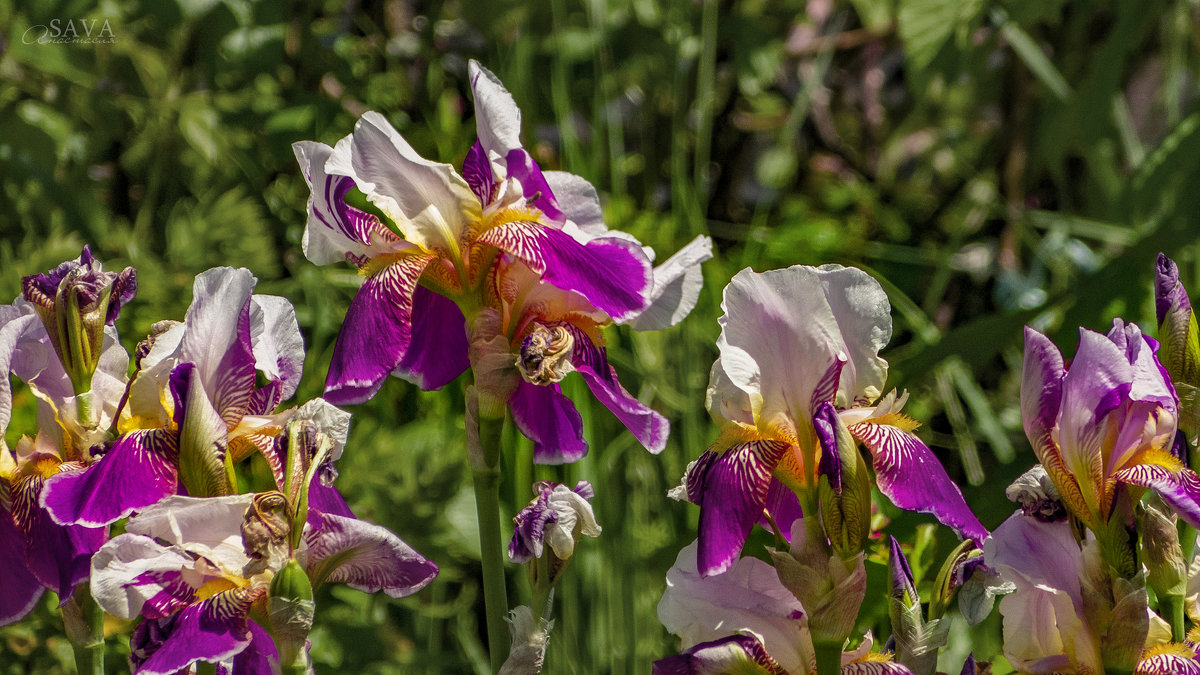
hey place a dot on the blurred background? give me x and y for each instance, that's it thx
(992, 164)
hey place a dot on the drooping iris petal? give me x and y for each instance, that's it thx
(875, 668)
(909, 474)
(437, 351)
(136, 472)
(376, 333)
(784, 507)
(612, 273)
(749, 596)
(580, 204)
(336, 231)
(550, 420)
(552, 518)
(212, 630)
(735, 486)
(429, 202)
(134, 575)
(207, 526)
(1169, 659)
(58, 555)
(649, 427)
(260, 657)
(366, 557)
(20, 590)
(677, 284)
(1180, 489)
(733, 654)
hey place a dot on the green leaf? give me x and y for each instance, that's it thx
(1031, 55)
(926, 25)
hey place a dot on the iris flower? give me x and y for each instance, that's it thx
(1107, 420)
(744, 620)
(183, 566)
(798, 376)
(450, 228)
(194, 404)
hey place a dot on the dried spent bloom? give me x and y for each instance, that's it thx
(558, 516)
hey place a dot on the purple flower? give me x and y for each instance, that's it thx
(798, 363)
(404, 320)
(558, 516)
(548, 333)
(75, 301)
(194, 400)
(735, 653)
(1105, 421)
(35, 552)
(183, 566)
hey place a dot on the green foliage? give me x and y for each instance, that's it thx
(991, 166)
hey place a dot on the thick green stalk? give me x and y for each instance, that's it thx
(84, 623)
(485, 469)
(829, 658)
(1173, 603)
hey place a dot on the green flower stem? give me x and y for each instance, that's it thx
(485, 469)
(829, 657)
(84, 623)
(206, 668)
(1173, 604)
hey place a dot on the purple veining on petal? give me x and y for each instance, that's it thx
(909, 474)
(136, 472)
(325, 499)
(437, 351)
(376, 333)
(646, 425)
(550, 420)
(173, 595)
(1181, 490)
(477, 171)
(613, 274)
(58, 555)
(1041, 387)
(20, 590)
(735, 489)
(213, 630)
(1169, 294)
(730, 654)
(529, 531)
(524, 170)
(87, 279)
(366, 557)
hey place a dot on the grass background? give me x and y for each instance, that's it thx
(992, 164)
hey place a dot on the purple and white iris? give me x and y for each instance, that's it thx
(1107, 420)
(182, 565)
(423, 280)
(553, 518)
(798, 376)
(193, 404)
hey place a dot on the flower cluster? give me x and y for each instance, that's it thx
(214, 572)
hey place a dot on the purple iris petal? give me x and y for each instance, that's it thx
(260, 657)
(217, 340)
(784, 507)
(524, 170)
(437, 352)
(902, 576)
(58, 555)
(730, 654)
(1169, 295)
(366, 557)
(1041, 388)
(529, 534)
(969, 667)
(213, 630)
(613, 274)
(826, 423)
(1169, 664)
(88, 280)
(477, 171)
(909, 474)
(1180, 490)
(325, 499)
(550, 420)
(376, 332)
(736, 483)
(136, 472)
(20, 590)
(650, 428)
